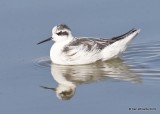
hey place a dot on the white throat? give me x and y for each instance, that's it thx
(63, 40)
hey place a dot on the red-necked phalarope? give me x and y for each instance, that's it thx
(69, 50)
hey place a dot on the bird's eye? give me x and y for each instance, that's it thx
(62, 33)
(59, 33)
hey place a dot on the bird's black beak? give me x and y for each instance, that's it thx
(51, 88)
(48, 39)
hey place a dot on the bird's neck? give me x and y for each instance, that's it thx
(65, 42)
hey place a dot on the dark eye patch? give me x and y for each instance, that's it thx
(62, 33)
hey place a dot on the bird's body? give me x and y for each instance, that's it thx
(69, 50)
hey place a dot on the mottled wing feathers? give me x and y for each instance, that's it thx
(97, 44)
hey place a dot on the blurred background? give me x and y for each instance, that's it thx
(23, 23)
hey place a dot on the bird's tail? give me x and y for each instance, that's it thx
(133, 32)
(119, 45)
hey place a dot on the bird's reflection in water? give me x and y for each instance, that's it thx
(69, 77)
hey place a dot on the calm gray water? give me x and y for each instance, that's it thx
(28, 80)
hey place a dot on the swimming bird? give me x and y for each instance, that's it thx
(70, 50)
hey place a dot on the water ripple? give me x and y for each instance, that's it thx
(144, 59)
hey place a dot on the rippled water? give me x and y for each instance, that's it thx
(144, 59)
(30, 84)
(137, 64)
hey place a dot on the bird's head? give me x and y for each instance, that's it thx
(60, 33)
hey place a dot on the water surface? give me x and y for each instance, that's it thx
(28, 80)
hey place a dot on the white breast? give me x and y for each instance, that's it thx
(56, 54)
